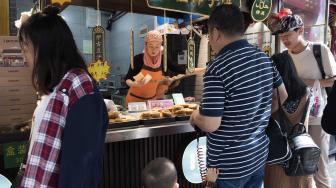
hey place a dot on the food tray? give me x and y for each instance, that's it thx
(127, 124)
(182, 118)
(157, 121)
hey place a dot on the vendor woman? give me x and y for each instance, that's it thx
(150, 65)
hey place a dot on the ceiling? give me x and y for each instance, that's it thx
(139, 6)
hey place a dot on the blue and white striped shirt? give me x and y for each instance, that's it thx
(238, 87)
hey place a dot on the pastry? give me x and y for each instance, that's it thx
(145, 115)
(188, 111)
(155, 114)
(180, 112)
(185, 105)
(113, 115)
(192, 106)
(118, 120)
(166, 113)
(177, 108)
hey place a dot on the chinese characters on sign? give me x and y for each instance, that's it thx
(203, 7)
(261, 9)
(132, 48)
(211, 53)
(160, 104)
(191, 55)
(98, 43)
(14, 154)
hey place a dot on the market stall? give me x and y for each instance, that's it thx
(143, 131)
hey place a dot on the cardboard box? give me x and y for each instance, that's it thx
(15, 72)
(17, 109)
(17, 90)
(17, 100)
(15, 81)
(14, 119)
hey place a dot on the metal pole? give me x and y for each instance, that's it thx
(326, 22)
(277, 41)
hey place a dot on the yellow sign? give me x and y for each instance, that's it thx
(268, 50)
(99, 70)
(61, 2)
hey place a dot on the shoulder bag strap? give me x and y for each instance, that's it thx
(318, 57)
(305, 112)
(300, 128)
(284, 122)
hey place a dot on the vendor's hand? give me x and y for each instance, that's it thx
(212, 174)
(328, 82)
(166, 81)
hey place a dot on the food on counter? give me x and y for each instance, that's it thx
(180, 112)
(184, 109)
(155, 114)
(192, 106)
(120, 119)
(145, 115)
(185, 105)
(188, 111)
(113, 115)
(166, 113)
(177, 107)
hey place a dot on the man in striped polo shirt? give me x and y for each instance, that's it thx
(236, 103)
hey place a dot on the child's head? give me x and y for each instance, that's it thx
(159, 173)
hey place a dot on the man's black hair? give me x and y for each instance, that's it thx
(228, 19)
(159, 173)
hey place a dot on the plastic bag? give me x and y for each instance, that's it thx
(318, 100)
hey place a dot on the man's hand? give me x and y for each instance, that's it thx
(212, 174)
(205, 123)
(328, 82)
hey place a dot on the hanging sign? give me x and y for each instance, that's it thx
(165, 53)
(186, 6)
(99, 70)
(143, 31)
(98, 43)
(268, 50)
(261, 9)
(191, 55)
(14, 154)
(211, 53)
(132, 48)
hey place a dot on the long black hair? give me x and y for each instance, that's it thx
(55, 51)
(295, 87)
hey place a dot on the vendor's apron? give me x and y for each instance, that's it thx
(148, 91)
